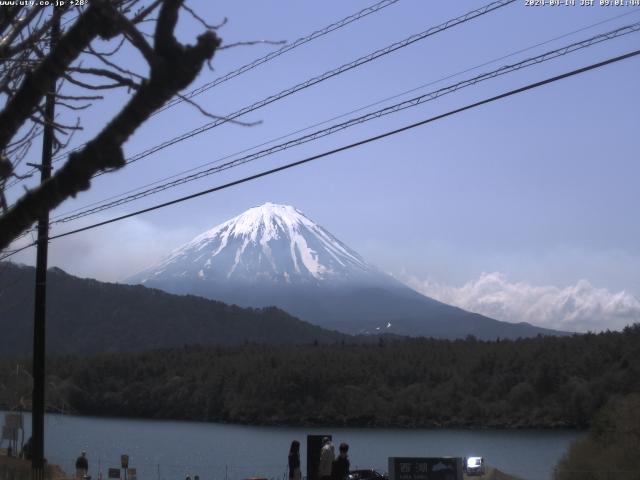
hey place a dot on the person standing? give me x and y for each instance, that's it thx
(82, 465)
(327, 456)
(340, 466)
(26, 449)
(294, 461)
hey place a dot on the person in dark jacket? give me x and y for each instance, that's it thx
(294, 461)
(82, 465)
(340, 466)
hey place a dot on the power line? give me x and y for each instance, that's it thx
(319, 78)
(255, 63)
(270, 56)
(587, 27)
(361, 119)
(288, 166)
(322, 77)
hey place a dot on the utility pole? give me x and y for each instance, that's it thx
(38, 400)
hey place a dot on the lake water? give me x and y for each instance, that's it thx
(169, 450)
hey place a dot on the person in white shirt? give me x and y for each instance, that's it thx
(327, 455)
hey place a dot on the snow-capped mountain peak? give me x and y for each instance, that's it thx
(270, 242)
(275, 255)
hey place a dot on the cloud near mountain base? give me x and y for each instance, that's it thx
(579, 308)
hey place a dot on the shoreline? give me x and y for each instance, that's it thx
(433, 426)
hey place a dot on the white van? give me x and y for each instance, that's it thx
(474, 466)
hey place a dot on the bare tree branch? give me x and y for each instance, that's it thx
(216, 117)
(95, 21)
(18, 26)
(29, 40)
(102, 58)
(175, 66)
(165, 43)
(110, 53)
(7, 17)
(121, 82)
(202, 21)
(62, 145)
(137, 40)
(76, 108)
(140, 16)
(79, 97)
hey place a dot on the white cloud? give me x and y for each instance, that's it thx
(580, 307)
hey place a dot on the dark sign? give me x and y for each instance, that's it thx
(114, 473)
(13, 420)
(426, 468)
(10, 433)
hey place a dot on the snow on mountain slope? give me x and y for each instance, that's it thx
(275, 255)
(266, 244)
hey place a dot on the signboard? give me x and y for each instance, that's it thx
(13, 420)
(10, 433)
(425, 468)
(131, 474)
(114, 473)
(124, 461)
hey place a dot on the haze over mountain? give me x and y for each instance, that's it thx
(275, 255)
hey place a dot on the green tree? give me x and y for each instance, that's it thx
(611, 449)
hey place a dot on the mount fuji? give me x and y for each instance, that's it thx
(275, 255)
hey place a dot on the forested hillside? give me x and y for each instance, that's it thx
(544, 381)
(85, 317)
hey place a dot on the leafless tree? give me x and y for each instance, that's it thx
(84, 63)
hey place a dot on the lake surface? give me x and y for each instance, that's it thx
(170, 450)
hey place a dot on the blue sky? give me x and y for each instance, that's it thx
(524, 206)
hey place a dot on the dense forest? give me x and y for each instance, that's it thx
(538, 382)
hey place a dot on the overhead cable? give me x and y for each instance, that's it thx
(359, 120)
(322, 77)
(287, 166)
(317, 79)
(255, 63)
(286, 48)
(359, 109)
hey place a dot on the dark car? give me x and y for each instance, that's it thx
(367, 474)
